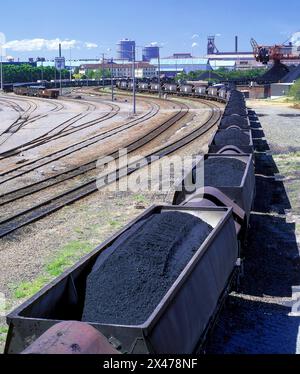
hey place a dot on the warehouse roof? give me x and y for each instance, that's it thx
(138, 65)
(180, 61)
(215, 64)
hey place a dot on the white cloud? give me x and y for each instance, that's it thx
(90, 45)
(295, 39)
(195, 45)
(154, 44)
(195, 36)
(218, 34)
(38, 44)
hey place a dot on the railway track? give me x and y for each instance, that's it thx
(61, 130)
(40, 210)
(23, 169)
(24, 115)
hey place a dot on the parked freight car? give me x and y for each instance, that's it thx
(186, 89)
(170, 88)
(36, 91)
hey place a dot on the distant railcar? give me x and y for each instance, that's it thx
(143, 86)
(154, 87)
(186, 89)
(200, 91)
(170, 88)
(212, 91)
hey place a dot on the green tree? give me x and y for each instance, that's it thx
(28, 73)
(295, 90)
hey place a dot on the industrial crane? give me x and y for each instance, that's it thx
(277, 52)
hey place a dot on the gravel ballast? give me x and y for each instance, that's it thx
(231, 137)
(131, 277)
(214, 175)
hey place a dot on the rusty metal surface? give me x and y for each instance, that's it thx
(71, 337)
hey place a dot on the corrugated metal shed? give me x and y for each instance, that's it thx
(180, 61)
(217, 64)
(280, 89)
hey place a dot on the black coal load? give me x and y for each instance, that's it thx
(231, 136)
(130, 278)
(235, 110)
(234, 120)
(215, 176)
(292, 76)
(275, 74)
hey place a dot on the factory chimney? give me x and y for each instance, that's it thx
(236, 44)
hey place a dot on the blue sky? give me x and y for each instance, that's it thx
(172, 23)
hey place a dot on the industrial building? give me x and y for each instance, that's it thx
(149, 52)
(236, 59)
(180, 62)
(142, 69)
(126, 49)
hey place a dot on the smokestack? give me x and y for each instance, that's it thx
(236, 44)
(59, 50)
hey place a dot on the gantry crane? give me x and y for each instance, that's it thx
(277, 52)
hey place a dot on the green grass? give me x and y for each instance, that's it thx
(140, 198)
(67, 256)
(3, 332)
(3, 329)
(27, 289)
(114, 223)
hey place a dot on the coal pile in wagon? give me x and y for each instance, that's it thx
(235, 109)
(234, 120)
(232, 136)
(214, 175)
(131, 277)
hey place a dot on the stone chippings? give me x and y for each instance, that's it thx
(128, 284)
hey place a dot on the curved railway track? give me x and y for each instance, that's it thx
(24, 115)
(40, 210)
(23, 169)
(62, 129)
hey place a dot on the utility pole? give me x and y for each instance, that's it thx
(70, 66)
(1, 72)
(112, 80)
(159, 88)
(60, 85)
(133, 80)
(103, 71)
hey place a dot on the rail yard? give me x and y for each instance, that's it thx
(48, 180)
(149, 194)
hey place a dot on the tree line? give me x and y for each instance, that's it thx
(29, 73)
(222, 74)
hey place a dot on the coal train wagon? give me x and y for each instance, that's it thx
(177, 318)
